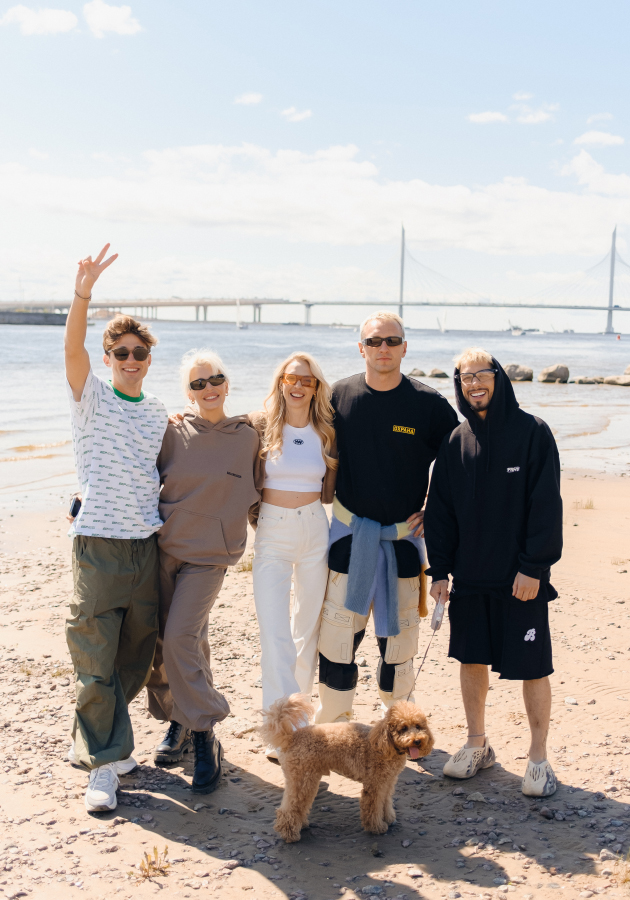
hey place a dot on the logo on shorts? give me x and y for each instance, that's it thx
(514, 469)
(531, 635)
(298, 441)
(404, 430)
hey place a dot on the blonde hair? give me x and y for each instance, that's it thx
(203, 357)
(320, 414)
(121, 325)
(385, 316)
(472, 355)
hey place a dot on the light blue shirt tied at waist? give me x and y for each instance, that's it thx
(373, 570)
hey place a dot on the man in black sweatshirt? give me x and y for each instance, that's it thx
(494, 522)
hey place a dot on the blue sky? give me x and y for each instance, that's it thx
(273, 149)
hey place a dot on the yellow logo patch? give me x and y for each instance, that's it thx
(404, 429)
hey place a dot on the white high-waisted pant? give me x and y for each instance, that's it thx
(290, 543)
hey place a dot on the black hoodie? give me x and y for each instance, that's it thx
(494, 505)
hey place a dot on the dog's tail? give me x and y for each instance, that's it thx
(283, 718)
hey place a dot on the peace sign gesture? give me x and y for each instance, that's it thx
(89, 271)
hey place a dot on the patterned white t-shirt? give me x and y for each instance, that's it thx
(116, 443)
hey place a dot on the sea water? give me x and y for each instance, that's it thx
(591, 422)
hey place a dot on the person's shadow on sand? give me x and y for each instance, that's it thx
(441, 839)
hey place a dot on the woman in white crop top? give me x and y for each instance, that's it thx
(291, 543)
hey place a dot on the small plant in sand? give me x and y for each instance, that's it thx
(622, 869)
(584, 504)
(617, 561)
(152, 866)
(245, 564)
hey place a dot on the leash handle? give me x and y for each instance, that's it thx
(438, 615)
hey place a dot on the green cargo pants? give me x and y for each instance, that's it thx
(111, 634)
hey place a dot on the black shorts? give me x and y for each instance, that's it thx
(507, 634)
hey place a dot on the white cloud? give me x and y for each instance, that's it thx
(101, 18)
(248, 99)
(293, 115)
(599, 117)
(332, 196)
(599, 139)
(485, 118)
(40, 21)
(529, 116)
(522, 95)
(37, 154)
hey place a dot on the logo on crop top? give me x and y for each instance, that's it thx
(298, 441)
(404, 430)
(233, 474)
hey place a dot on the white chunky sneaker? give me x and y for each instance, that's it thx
(467, 761)
(272, 755)
(539, 780)
(101, 791)
(123, 766)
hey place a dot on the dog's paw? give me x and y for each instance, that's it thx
(390, 817)
(377, 827)
(289, 831)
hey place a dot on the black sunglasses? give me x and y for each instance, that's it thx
(138, 353)
(481, 376)
(377, 341)
(199, 383)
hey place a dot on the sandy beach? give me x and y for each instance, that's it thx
(479, 838)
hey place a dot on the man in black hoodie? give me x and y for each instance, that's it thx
(494, 522)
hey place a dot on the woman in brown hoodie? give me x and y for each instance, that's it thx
(211, 474)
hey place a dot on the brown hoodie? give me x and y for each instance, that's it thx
(211, 475)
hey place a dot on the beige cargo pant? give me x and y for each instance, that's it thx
(340, 636)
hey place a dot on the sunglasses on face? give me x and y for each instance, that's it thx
(138, 353)
(484, 375)
(307, 381)
(199, 384)
(378, 341)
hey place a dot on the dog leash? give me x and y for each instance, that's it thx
(436, 622)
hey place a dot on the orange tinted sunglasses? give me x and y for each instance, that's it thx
(307, 381)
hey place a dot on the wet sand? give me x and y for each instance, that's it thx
(446, 843)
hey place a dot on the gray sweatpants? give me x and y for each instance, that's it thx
(181, 687)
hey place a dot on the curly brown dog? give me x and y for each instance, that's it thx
(375, 756)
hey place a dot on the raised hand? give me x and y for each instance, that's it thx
(90, 270)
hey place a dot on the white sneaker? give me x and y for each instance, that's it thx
(539, 780)
(272, 755)
(101, 791)
(123, 766)
(467, 761)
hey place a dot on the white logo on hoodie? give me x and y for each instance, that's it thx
(514, 469)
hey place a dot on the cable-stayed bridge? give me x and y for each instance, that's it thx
(605, 287)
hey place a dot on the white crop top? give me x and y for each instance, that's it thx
(300, 467)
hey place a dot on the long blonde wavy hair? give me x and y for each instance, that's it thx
(320, 414)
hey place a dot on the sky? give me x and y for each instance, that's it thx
(275, 149)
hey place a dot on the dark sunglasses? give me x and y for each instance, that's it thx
(199, 384)
(138, 353)
(305, 380)
(377, 341)
(481, 376)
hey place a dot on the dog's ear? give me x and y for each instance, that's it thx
(379, 736)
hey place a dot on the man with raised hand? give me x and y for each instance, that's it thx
(494, 522)
(117, 433)
(389, 429)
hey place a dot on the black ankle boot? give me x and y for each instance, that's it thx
(177, 741)
(207, 762)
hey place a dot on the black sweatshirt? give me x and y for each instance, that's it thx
(387, 441)
(494, 505)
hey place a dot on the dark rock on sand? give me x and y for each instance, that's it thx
(437, 373)
(416, 373)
